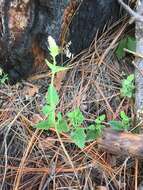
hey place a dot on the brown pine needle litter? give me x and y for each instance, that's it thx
(34, 160)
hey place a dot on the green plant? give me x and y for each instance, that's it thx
(123, 124)
(81, 135)
(3, 77)
(52, 97)
(72, 123)
(77, 132)
(127, 89)
(95, 130)
(128, 43)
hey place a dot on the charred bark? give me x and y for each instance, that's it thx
(22, 24)
(27, 22)
(90, 18)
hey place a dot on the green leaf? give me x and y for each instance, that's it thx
(78, 136)
(47, 110)
(52, 97)
(76, 117)
(124, 116)
(128, 87)
(91, 127)
(3, 77)
(59, 116)
(128, 43)
(62, 124)
(125, 120)
(94, 131)
(91, 134)
(100, 119)
(120, 53)
(131, 78)
(51, 119)
(54, 49)
(116, 125)
(54, 68)
(131, 43)
(43, 125)
(99, 128)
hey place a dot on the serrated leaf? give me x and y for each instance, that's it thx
(54, 68)
(47, 110)
(124, 116)
(91, 127)
(125, 120)
(52, 97)
(78, 136)
(97, 121)
(131, 77)
(102, 117)
(94, 131)
(76, 117)
(51, 119)
(91, 135)
(99, 128)
(43, 125)
(128, 86)
(62, 126)
(59, 116)
(116, 125)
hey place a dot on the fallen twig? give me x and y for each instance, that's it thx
(122, 143)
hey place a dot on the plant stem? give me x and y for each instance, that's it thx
(53, 74)
(55, 124)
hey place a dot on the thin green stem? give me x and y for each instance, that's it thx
(55, 124)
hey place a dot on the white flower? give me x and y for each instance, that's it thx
(54, 49)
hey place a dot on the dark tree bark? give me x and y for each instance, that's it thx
(28, 23)
(24, 25)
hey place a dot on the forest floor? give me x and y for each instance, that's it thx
(31, 159)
